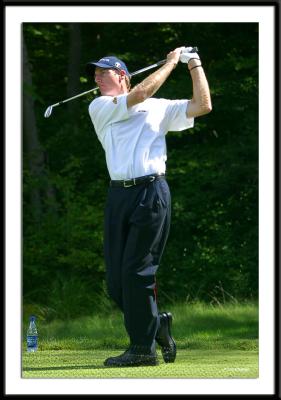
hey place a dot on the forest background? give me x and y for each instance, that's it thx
(212, 169)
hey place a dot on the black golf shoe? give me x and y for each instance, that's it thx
(133, 357)
(164, 338)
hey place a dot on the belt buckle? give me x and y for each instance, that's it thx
(127, 186)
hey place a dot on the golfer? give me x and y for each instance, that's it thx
(131, 126)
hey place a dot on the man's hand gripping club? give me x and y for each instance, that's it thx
(153, 82)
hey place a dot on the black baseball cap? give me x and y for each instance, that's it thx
(106, 62)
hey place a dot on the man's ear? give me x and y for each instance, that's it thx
(122, 74)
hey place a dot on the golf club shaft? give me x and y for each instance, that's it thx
(48, 111)
(74, 97)
(91, 90)
(139, 71)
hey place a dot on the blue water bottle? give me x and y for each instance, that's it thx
(32, 336)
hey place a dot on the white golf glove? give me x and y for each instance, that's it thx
(187, 55)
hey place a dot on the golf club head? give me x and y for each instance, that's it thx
(48, 112)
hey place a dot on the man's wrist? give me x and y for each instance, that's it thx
(193, 62)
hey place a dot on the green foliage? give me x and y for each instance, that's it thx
(212, 169)
(195, 326)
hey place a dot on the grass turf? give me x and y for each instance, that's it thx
(189, 364)
(212, 342)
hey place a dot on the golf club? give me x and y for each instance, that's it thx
(49, 110)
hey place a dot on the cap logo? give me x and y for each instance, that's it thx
(105, 59)
(117, 64)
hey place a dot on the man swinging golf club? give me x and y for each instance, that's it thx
(131, 126)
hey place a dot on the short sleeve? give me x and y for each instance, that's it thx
(106, 110)
(176, 115)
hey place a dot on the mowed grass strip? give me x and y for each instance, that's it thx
(189, 364)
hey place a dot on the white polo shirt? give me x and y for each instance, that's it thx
(134, 138)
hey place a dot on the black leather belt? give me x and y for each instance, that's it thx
(136, 181)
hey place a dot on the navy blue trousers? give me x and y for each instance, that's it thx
(137, 222)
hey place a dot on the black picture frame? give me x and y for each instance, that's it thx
(276, 210)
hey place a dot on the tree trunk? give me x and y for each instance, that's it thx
(33, 148)
(35, 154)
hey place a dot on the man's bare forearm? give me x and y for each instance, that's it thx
(150, 85)
(201, 101)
